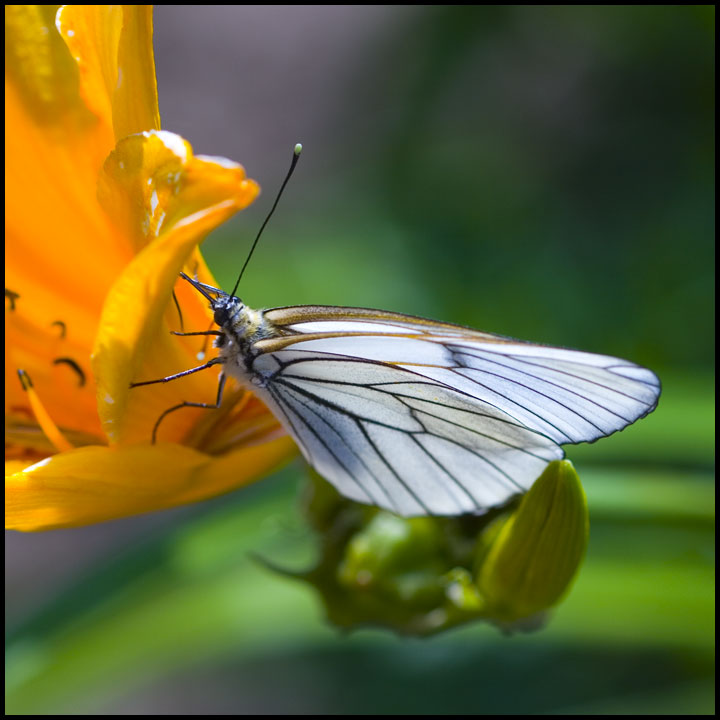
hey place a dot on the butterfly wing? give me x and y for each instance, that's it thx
(429, 418)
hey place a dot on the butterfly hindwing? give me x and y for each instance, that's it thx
(429, 418)
(389, 437)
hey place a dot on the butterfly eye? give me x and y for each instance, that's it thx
(222, 315)
(226, 309)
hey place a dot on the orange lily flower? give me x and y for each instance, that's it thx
(103, 210)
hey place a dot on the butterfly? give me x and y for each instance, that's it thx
(411, 415)
(416, 416)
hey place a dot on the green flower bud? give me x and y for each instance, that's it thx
(419, 576)
(462, 593)
(534, 556)
(399, 558)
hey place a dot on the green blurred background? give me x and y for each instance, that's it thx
(541, 172)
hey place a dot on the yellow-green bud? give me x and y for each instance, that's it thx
(535, 555)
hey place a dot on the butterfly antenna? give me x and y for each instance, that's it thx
(296, 154)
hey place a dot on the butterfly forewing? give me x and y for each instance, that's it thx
(429, 418)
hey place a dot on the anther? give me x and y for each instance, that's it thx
(62, 326)
(12, 297)
(78, 370)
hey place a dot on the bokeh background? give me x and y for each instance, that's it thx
(541, 172)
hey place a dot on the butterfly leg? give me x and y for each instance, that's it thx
(210, 363)
(179, 311)
(177, 304)
(206, 406)
(207, 334)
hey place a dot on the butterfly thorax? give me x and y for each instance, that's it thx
(241, 328)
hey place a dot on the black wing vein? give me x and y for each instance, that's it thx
(288, 409)
(489, 357)
(545, 395)
(335, 408)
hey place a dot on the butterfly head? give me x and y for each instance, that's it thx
(226, 309)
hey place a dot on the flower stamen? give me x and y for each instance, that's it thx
(74, 365)
(12, 297)
(51, 430)
(62, 326)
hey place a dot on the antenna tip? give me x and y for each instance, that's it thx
(298, 149)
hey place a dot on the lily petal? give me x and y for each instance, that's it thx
(61, 250)
(95, 484)
(103, 210)
(195, 195)
(112, 45)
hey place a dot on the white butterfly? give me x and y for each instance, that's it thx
(415, 416)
